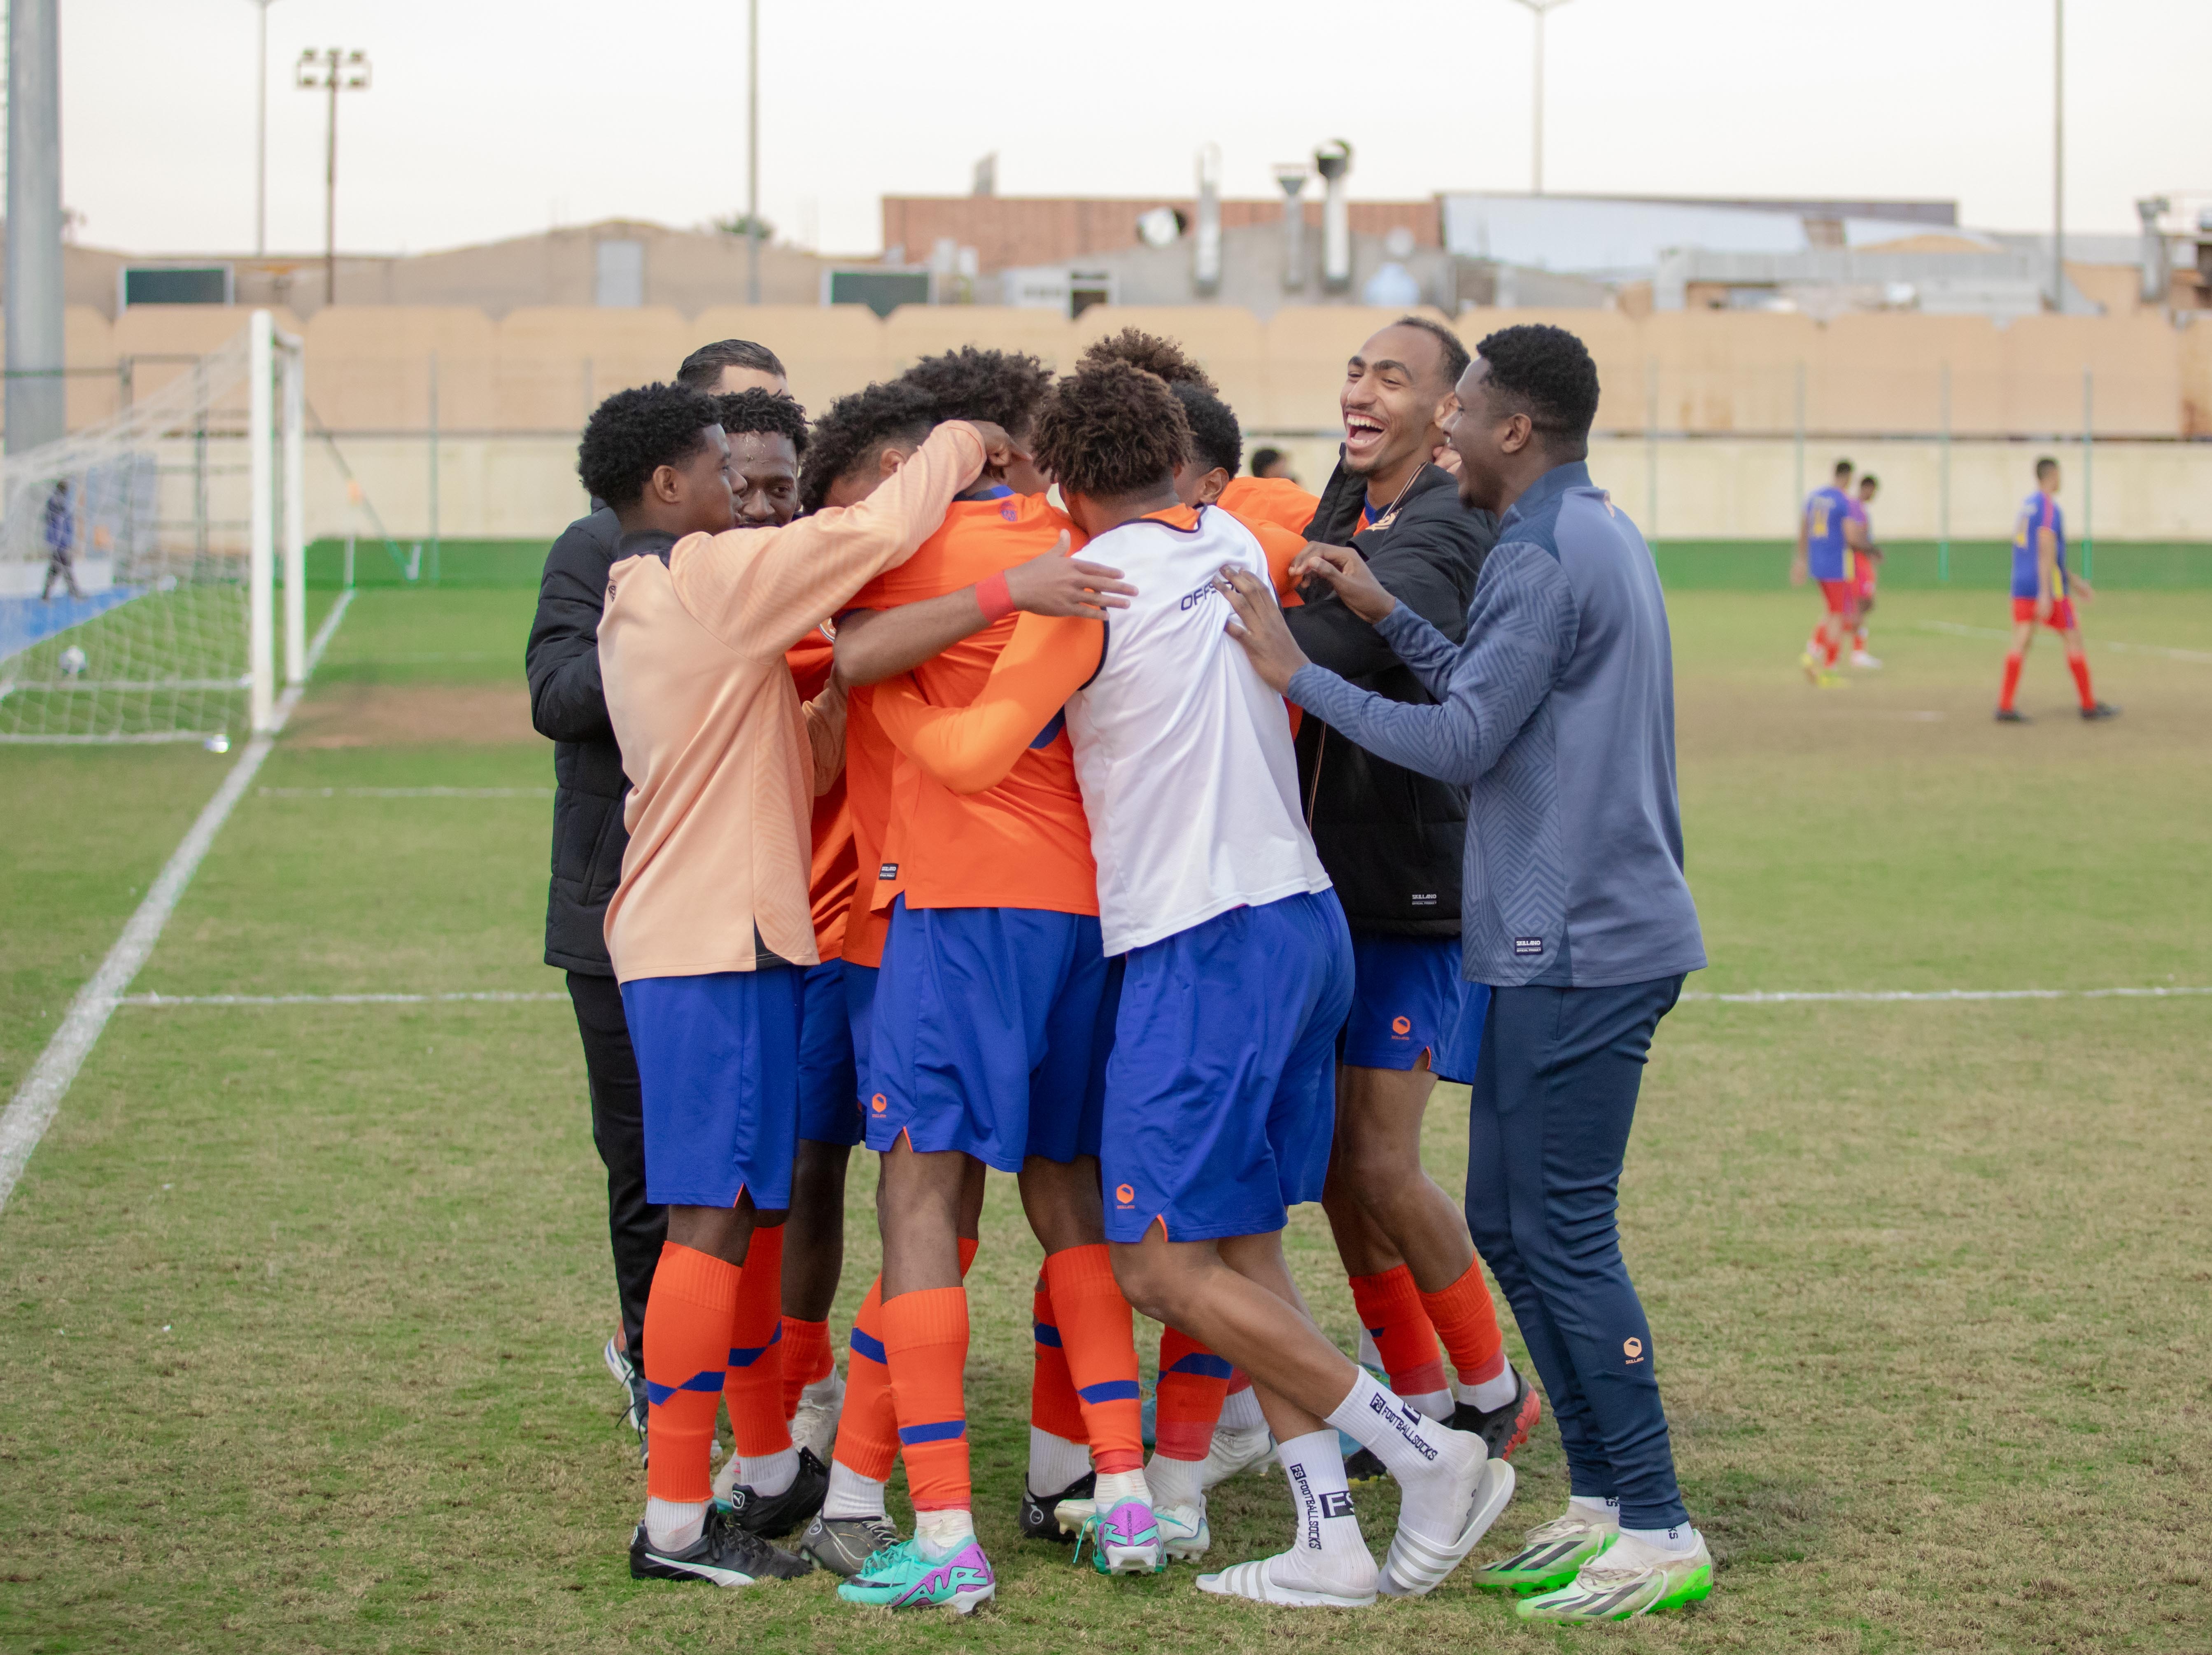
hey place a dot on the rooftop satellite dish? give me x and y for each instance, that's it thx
(1162, 226)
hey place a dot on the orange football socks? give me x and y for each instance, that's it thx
(688, 1318)
(1193, 1382)
(806, 1357)
(1467, 1321)
(754, 1394)
(1390, 1308)
(1054, 1405)
(1097, 1333)
(926, 1348)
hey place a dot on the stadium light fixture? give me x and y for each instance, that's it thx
(334, 70)
(261, 136)
(1536, 148)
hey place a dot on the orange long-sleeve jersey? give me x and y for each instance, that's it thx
(1276, 500)
(836, 868)
(968, 747)
(1024, 841)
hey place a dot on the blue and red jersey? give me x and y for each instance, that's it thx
(1826, 549)
(2040, 512)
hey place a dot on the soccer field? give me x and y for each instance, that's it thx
(299, 1347)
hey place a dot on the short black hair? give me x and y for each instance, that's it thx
(854, 430)
(1869, 481)
(633, 433)
(1845, 468)
(2046, 464)
(1264, 457)
(1111, 431)
(1215, 438)
(1006, 387)
(1150, 351)
(1456, 356)
(1548, 373)
(703, 367)
(746, 411)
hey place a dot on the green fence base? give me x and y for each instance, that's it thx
(1975, 565)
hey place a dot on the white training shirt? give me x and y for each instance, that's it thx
(1183, 755)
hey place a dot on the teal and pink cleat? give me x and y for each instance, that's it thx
(1124, 1540)
(902, 1577)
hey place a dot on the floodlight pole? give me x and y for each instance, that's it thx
(333, 71)
(2059, 157)
(261, 139)
(1536, 147)
(752, 152)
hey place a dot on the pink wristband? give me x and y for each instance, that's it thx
(993, 598)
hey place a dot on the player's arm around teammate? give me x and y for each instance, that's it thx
(1559, 711)
(713, 908)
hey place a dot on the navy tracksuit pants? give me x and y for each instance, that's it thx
(1554, 1094)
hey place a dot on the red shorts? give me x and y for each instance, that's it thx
(1841, 596)
(2062, 613)
(1862, 572)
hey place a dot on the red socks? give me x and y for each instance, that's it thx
(688, 1318)
(1467, 1321)
(1054, 1405)
(1097, 1338)
(1194, 1381)
(1390, 1308)
(2079, 666)
(926, 1345)
(2011, 682)
(755, 1393)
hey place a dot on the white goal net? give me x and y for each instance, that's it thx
(139, 559)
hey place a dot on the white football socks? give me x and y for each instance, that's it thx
(1055, 1463)
(852, 1494)
(1429, 1461)
(770, 1475)
(1240, 1411)
(1115, 1486)
(1492, 1394)
(1174, 1484)
(1597, 1509)
(673, 1524)
(1437, 1404)
(941, 1532)
(1326, 1551)
(1678, 1542)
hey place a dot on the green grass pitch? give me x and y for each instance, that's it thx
(299, 1339)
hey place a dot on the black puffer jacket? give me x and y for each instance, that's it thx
(568, 704)
(1391, 839)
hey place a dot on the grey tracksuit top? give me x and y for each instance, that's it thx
(1558, 712)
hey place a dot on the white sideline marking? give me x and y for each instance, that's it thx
(496, 996)
(1877, 996)
(32, 1109)
(1957, 631)
(404, 793)
(1768, 997)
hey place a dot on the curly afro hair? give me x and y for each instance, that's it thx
(1111, 431)
(1546, 372)
(1215, 437)
(1166, 358)
(854, 431)
(747, 411)
(633, 433)
(1006, 387)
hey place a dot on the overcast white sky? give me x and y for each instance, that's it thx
(495, 118)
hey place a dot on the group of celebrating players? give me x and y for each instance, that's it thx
(1121, 843)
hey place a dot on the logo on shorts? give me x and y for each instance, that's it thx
(1632, 1349)
(1124, 1194)
(1402, 1026)
(878, 1103)
(1523, 946)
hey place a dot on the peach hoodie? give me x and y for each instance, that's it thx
(713, 737)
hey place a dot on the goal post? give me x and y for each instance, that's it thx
(140, 557)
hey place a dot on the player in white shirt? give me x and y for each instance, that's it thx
(1219, 1095)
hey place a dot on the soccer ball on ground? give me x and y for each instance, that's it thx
(73, 662)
